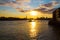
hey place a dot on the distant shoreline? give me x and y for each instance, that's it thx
(17, 19)
(24, 19)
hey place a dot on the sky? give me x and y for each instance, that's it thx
(15, 6)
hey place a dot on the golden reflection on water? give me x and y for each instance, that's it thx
(33, 30)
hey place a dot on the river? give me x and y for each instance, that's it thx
(25, 30)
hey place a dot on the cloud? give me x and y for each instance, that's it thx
(49, 6)
(17, 4)
(3, 1)
(23, 1)
(24, 4)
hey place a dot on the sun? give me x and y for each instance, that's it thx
(34, 13)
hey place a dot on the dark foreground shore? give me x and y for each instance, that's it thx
(54, 23)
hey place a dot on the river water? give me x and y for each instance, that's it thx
(25, 30)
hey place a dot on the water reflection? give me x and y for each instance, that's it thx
(33, 31)
(25, 30)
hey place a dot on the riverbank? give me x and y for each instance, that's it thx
(54, 23)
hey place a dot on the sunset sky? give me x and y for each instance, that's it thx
(12, 8)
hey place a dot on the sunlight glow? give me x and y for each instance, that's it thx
(34, 13)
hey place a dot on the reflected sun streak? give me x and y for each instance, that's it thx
(33, 24)
(33, 29)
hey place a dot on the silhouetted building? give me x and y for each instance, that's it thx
(56, 18)
(56, 14)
